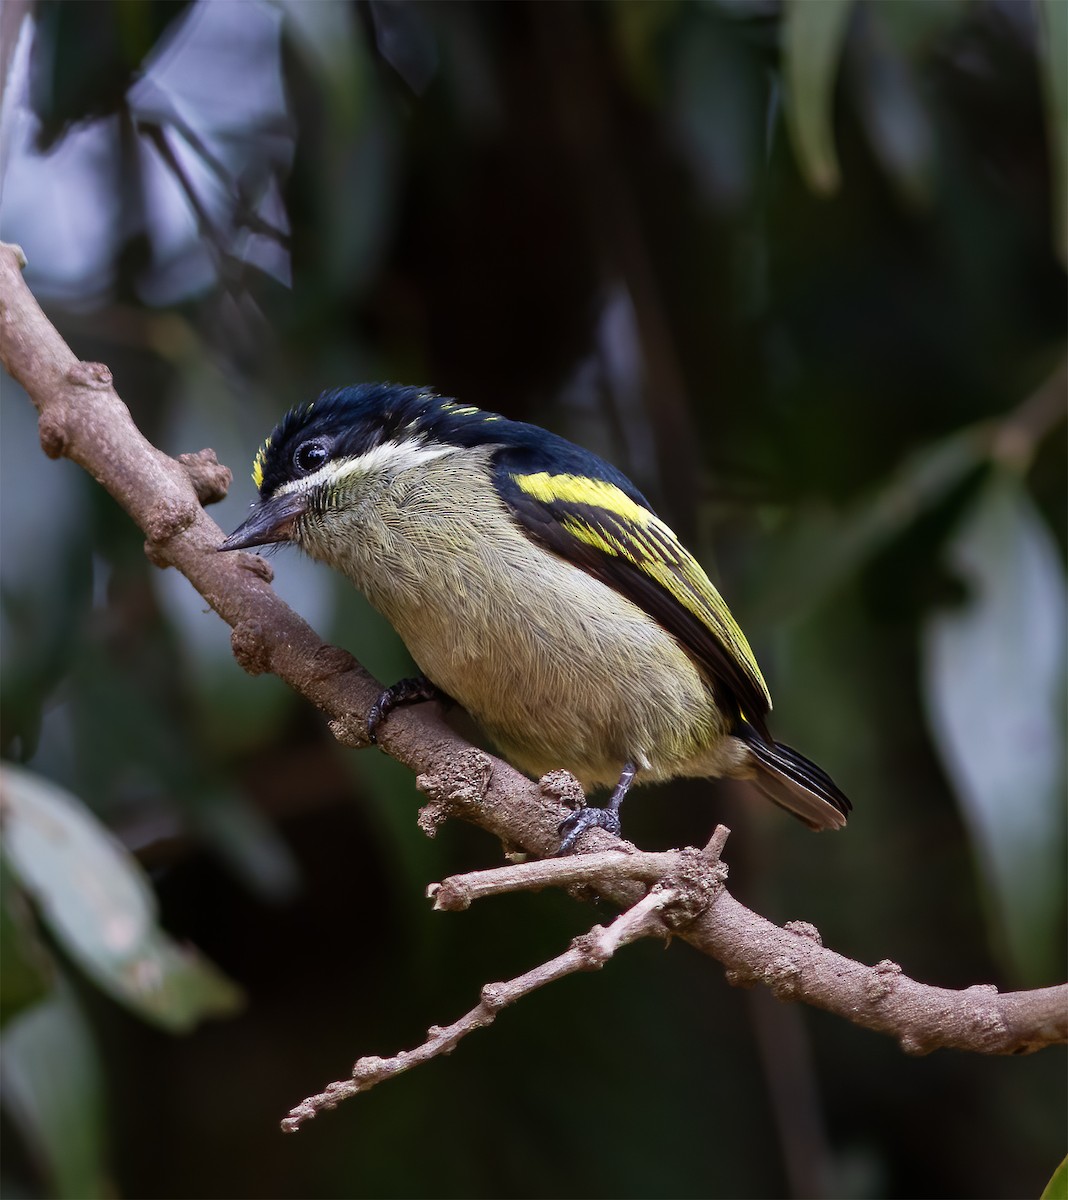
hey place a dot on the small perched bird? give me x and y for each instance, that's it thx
(534, 585)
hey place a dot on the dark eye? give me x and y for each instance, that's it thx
(310, 456)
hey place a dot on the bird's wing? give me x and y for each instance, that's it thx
(606, 528)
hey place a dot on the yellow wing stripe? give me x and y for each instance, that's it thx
(649, 545)
(579, 489)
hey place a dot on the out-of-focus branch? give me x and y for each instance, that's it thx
(1016, 437)
(82, 418)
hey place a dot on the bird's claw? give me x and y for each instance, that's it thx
(574, 826)
(406, 691)
(375, 716)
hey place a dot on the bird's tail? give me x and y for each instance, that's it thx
(789, 780)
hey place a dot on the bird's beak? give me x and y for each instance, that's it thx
(272, 521)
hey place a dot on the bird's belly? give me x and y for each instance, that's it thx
(559, 669)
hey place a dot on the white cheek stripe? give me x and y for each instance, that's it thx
(393, 457)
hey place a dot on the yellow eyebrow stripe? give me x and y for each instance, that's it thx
(259, 463)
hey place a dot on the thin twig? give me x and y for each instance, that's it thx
(695, 877)
(586, 953)
(458, 892)
(1016, 437)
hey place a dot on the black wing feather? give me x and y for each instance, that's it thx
(737, 692)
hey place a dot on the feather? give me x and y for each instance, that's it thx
(689, 679)
(612, 533)
(791, 781)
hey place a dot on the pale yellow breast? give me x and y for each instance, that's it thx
(559, 669)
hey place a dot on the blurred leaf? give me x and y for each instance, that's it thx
(638, 30)
(96, 901)
(813, 35)
(86, 55)
(356, 147)
(717, 92)
(329, 38)
(993, 680)
(1053, 59)
(53, 1091)
(888, 100)
(406, 41)
(1057, 1188)
(27, 974)
(914, 27)
(46, 574)
(823, 549)
(247, 841)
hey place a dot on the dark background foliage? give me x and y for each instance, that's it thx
(793, 271)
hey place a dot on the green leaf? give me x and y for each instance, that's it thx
(993, 682)
(53, 1091)
(638, 32)
(813, 35)
(916, 28)
(27, 974)
(95, 899)
(887, 97)
(1053, 41)
(249, 844)
(717, 103)
(821, 550)
(1057, 1188)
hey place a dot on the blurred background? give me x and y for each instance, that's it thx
(798, 269)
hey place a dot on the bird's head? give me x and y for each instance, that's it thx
(328, 457)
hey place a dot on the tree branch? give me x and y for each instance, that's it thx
(586, 953)
(791, 960)
(82, 418)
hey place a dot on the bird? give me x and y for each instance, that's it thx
(534, 585)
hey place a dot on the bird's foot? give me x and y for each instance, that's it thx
(406, 691)
(574, 826)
